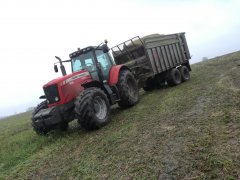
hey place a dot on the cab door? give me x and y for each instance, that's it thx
(105, 62)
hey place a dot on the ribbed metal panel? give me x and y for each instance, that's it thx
(165, 52)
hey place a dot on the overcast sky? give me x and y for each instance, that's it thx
(33, 32)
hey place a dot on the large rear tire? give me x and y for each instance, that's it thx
(184, 73)
(174, 77)
(37, 129)
(92, 108)
(128, 89)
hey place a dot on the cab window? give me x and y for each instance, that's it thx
(105, 62)
(83, 61)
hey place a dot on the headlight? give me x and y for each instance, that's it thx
(56, 99)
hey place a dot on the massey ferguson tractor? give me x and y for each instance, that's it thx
(97, 81)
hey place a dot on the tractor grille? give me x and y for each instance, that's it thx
(52, 94)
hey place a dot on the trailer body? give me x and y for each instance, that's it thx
(153, 55)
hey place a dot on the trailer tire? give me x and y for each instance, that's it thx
(149, 85)
(174, 77)
(37, 129)
(147, 88)
(92, 108)
(184, 73)
(128, 89)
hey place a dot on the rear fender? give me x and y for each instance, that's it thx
(114, 73)
(92, 84)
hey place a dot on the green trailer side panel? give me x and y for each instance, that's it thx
(166, 51)
(152, 55)
(152, 61)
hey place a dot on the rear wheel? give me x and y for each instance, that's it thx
(184, 73)
(92, 108)
(39, 130)
(128, 89)
(174, 77)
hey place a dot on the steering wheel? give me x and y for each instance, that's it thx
(89, 66)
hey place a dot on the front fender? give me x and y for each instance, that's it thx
(114, 73)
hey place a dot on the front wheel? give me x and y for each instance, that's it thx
(92, 108)
(43, 130)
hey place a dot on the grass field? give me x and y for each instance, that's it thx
(191, 131)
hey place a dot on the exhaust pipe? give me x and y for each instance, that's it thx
(63, 70)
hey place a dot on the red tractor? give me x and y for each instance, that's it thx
(96, 82)
(87, 93)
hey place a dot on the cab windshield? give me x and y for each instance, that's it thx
(83, 61)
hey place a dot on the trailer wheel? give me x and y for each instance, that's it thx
(39, 130)
(174, 77)
(184, 73)
(147, 88)
(128, 89)
(149, 85)
(92, 108)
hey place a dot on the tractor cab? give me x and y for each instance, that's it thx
(95, 60)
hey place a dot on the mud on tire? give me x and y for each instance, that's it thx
(184, 73)
(174, 77)
(92, 108)
(39, 130)
(128, 89)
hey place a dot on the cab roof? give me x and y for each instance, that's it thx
(84, 50)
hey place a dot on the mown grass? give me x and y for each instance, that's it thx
(191, 131)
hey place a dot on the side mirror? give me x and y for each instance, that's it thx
(105, 48)
(55, 68)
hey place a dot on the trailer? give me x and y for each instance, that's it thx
(155, 59)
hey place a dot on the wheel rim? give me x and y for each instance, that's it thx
(100, 107)
(131, 87)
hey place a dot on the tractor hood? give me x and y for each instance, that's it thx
(65, 89)
(68, 78)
